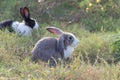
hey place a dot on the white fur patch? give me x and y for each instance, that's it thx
(68, 52)
(70, 48)
(22, 29)
(36, 25)
(75, 42)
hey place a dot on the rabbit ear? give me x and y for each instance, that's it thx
(54, 30)
(25, 12)
(22, 12)
(60, 46)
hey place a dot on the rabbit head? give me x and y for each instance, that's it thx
(66, 41)
(25, 13)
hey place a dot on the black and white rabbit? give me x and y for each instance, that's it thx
(23, 28)
(50, 49)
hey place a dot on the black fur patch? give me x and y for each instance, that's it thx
(30, 23)
(6, 24)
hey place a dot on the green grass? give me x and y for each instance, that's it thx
(93, 58)
(15, 57)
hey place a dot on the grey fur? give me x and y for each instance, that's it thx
(48, 48)
(61, 46)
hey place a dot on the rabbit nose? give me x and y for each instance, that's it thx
(77, 40)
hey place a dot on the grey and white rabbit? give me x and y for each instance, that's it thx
(23, 28)
(50, 49)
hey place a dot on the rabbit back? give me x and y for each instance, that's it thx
(45, 49)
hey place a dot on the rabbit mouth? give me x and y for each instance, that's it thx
(75, 42)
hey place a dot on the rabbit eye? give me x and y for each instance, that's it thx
(70, 37)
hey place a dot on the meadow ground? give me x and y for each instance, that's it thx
(95, 58)
(15, 57)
